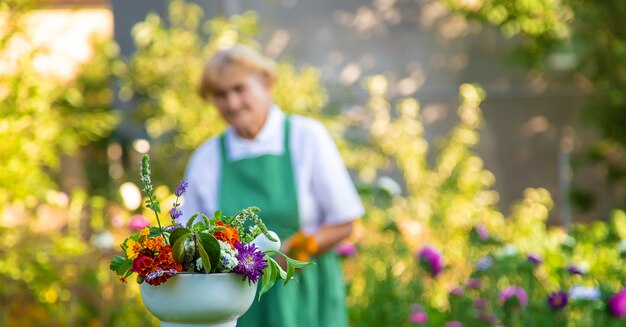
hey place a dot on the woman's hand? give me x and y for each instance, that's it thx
(302, 247)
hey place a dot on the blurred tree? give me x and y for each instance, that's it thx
(43, 118)
(584, 39)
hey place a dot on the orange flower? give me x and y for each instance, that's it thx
(155, 244)
(229, 234)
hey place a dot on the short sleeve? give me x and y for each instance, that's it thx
(331, 183)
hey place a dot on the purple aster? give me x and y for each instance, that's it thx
(454, 324)
(431, 260)
(617, 304)
(557, 300)
(346, 249)
(181, 188)
(574, 270)
(175, 213)
(512, 293)
(534, 259)
(474, 283)
(250, 262)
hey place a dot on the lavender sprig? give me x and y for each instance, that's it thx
(152, 203)
(175, 213)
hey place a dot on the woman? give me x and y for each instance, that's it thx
(290, 168)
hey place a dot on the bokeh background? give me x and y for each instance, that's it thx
(454, 116)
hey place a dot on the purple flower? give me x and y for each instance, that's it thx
(346, 249)
(557, 300)
(181, 188)
(431, 260)
(480, 303)
(173, 227)
(617, 304)
(482, 231)
(454, 324)
(175, 213)
(456, 291)
(534, 259)
(574, 270)
(514, 293)
(250, 262)
(474, 283)
(484, 263)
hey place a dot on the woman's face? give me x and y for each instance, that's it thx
(243, 100)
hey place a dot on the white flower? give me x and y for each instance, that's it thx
(229, 256)
(508, 250)
(584, 293)
(103, 240)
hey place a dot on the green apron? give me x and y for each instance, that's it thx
(268, 182)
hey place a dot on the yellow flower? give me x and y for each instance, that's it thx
(145, 232)
(132, 249)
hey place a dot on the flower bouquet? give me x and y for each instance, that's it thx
(203, 273)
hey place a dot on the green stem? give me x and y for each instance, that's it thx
(160, 228)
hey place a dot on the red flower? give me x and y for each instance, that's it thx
(142, 265)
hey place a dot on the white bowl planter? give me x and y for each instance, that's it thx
(210, 300)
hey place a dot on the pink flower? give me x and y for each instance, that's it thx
(617, 304)
(138, 222)
(482, 231)
(454, 324)
(346, 249)
(514, 293)
(419, 317)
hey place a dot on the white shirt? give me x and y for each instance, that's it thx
(326, 194)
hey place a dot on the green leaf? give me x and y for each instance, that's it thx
(290, 261)
(121, 265)
(178, 250)
(154, 232)
(270, 275)
(212, 248)
(191, 219)
(206, 220)
(206, 261)
(290, 271)
(178, 233)
(217, 216)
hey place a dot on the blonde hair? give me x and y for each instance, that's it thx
(241, 56)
